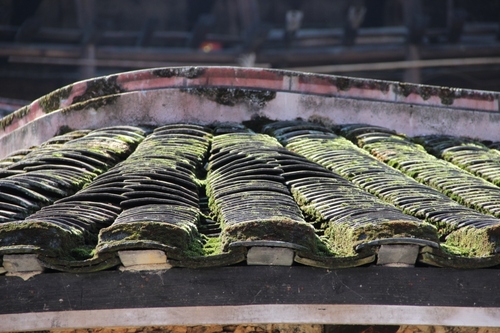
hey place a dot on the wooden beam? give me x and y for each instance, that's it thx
(412, 74)
(394, 65)
(358, 55)
(39, 50)
(233, 286)
(96, 62)
(251, 294)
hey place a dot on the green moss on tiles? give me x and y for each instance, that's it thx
(341, 239)
(95, 103)
(233, 96)
(212, 246)
(278, 229)
(180, 236)
(82, 252)
(343, 83)
(99, 87)
(195, 248)
(201, 183)
(77, 183)
(126, 139)
(474, 242)
(7, 120)
(19, 114)
(454, 250)
(311, 213)
(53, 240)
(51, 102)
(404, 88)
(187, 72)
(344, 238)
(102, 147)
(324, 248)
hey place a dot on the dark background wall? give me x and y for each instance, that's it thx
(46, 44)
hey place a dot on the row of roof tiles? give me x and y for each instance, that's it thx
(209, 195)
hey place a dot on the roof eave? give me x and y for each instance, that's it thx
(264, 294)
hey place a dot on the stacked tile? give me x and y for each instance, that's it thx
(350, 215)
(477, 234)
(248, 196)
(161, 203)
(55, 171)
(9, 165)
(465, 153)
(55, 143)
(13, 158)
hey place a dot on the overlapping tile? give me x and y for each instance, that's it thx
(212, 195)
(466, 223)
(353, 218)
(161, 207)
(58, 222)
(468, 154)
(248, 195)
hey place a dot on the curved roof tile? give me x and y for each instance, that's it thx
(220, 181)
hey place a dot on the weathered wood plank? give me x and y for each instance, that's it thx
(251, 285)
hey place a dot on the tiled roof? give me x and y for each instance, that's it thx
(211, 167)
(201, 194)
(205, 194)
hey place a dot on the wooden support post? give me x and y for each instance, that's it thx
(416, 24)
(88, 70)
(86, 10)
(412, 74)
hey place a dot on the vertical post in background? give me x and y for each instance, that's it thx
(415, 21)
(86, 15)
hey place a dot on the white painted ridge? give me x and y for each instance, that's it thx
(255, 314)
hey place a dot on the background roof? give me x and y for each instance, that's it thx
(46, 44)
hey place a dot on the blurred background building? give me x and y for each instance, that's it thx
(46, 44)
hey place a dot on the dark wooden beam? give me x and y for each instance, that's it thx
(39, 50)
(251, 285)
(252, 294)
